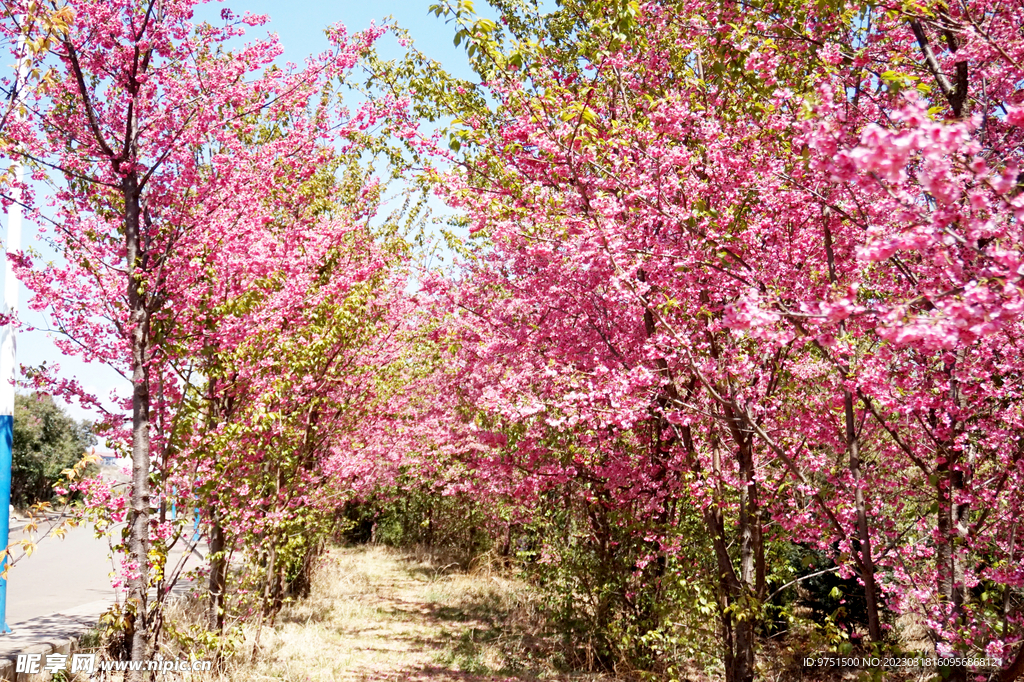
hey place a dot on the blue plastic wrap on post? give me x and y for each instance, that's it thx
(6, 440)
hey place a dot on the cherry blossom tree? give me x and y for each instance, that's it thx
(157, 126)
(776, 245)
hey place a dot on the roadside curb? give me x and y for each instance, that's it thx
(56, 633)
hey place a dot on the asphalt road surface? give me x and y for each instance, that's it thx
(60, 574)
(65, 574)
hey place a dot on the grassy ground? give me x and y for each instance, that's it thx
(376, 614)
(379, 615)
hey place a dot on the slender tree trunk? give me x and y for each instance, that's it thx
(752, 574)
(953, 514)
(272, 588)
(138, 519)
(506, 545)
(950, 568)
(430, 524)
(726, 587)
(218, 571)
(734, 591)
(737, 633)
(751, 561)
(867, 562)
(269, 582)
(752, 571)
(218, 411)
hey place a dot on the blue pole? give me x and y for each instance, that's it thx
(6, 440)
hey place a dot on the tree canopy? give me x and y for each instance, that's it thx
(46, 443)
(730, 351)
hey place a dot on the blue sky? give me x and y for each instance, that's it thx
(300, 28)
(300, 25)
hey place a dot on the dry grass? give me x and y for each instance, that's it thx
(375, 614)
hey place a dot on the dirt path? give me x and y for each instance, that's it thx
(378, 615)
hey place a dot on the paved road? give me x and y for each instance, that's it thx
(64, 574)
(60, 574)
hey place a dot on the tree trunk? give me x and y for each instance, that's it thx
(138, 518)
(867, 562)
(272, 597)
(953, 514)
(950, 567)
(752, 573)
(738, 633)
(218, 572)
(751, 563)
(269, 583)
